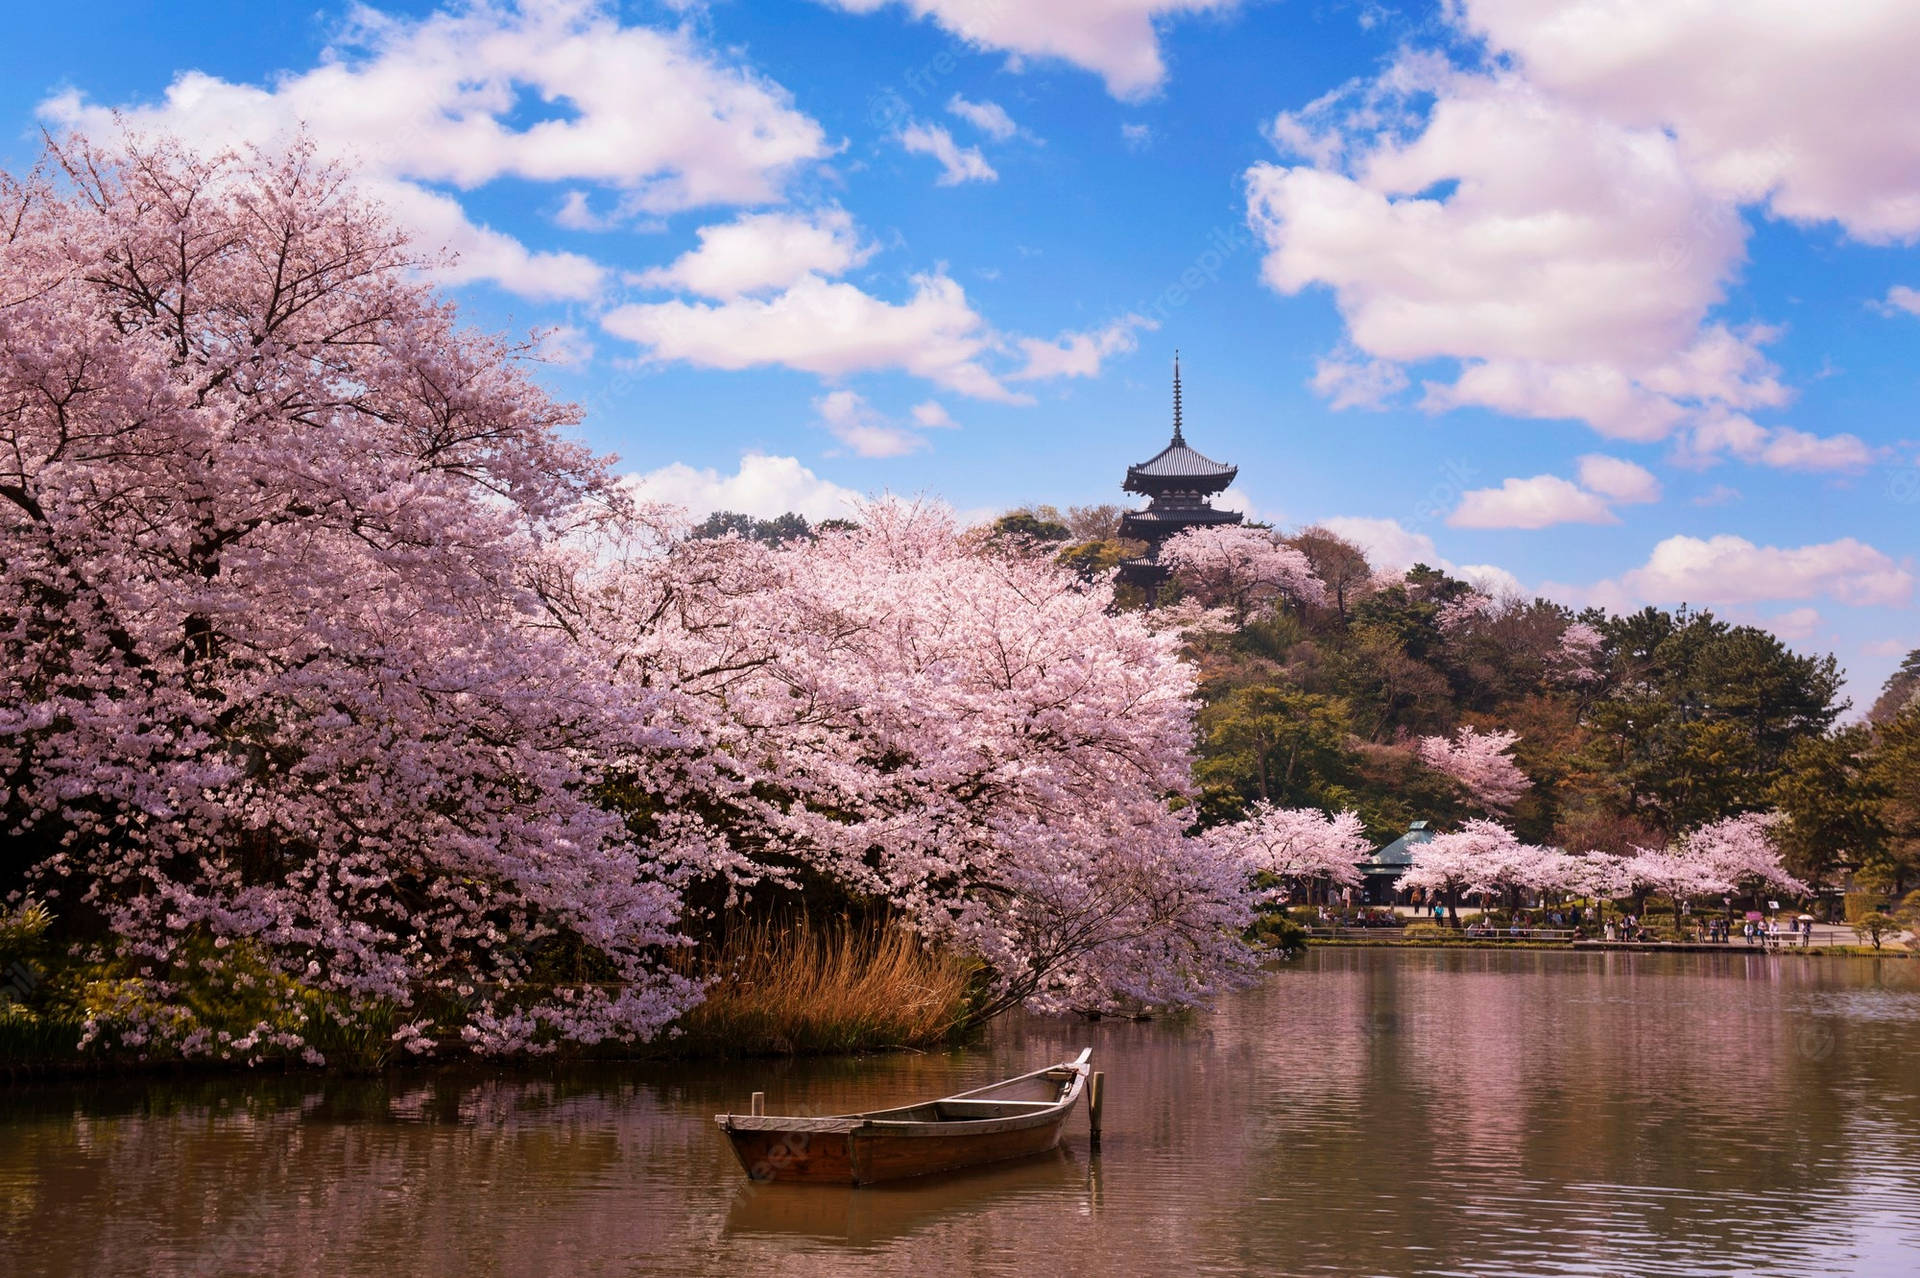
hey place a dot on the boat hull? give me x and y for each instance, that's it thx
(1015, 1118)
(869, 1156)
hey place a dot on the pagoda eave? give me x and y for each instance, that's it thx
(1152, 523)
(1154, 485)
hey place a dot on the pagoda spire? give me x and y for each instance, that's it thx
(1176, 397)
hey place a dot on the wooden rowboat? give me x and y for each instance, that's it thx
(1009, 1119)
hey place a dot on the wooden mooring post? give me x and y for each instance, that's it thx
(1096, 1094)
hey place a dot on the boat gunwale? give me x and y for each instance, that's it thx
(876, 1121)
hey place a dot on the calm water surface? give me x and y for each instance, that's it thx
(1358, 1112)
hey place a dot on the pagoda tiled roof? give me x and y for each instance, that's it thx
(1179, 461)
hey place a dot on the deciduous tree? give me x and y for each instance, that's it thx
(275, 674)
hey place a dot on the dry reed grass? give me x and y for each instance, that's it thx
(798, 987)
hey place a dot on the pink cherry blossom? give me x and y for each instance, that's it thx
(1456, 615)
(1736, 854)
(1479, 762)
(276, 669)
(1741, 853)
(978, 738)
(1296, 844)
(1579, 655)
(1461, 861)
(1240, 569)
(323, 649)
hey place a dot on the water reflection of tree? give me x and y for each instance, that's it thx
(1361, 1112)
(1676, 1101)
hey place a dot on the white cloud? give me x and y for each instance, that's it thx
(654, 114)
(1489, 579)
(1392, 549)
(1718, 495)
(1616, 478)
(760, 251)
(565, 346)
(576, 214)
(1562, 220)
(989, 117)
(1719, 433)
(827, 328)
(1548, 249)
(1568, 265)
(1235, 498)
(1388, 546)
(865, 432)
(1349, 381)
(1812, 108)
(1136, 136)
(1796, 450)
(957, 163)
(1539, 502)
(1796, 623)
(763, 486)
(1545, 500)
(1732, 570)
(933, 415)
(1887, 647)
(1079, 354)
(1901, 298)
(1114, 38)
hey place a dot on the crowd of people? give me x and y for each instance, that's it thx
(1579, 923)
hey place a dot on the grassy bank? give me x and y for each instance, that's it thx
(790, 988)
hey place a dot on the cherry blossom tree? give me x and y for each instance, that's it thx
(1600, 875)
(1548, 871)
(276, 679)
(1741, 853)
(1667, 872)
(1457, 614)
(1481, 856)
(1240, 569)
(1578, 659)
(976, 738)
(1297, 845)
(1480, 764)
(1734, 855)
(1487, 858)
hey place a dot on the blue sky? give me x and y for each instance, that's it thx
(1606, 298)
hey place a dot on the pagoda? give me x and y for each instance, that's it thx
(1178, 484)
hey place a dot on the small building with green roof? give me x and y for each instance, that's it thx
(1380, 873)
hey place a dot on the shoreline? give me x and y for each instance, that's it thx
(68, 1070)
(1609, 947)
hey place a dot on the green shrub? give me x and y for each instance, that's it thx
(1875, 926)
(1276, 931)
(36, 1024)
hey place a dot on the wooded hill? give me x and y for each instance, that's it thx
(1632, 728)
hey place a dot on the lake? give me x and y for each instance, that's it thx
(1356, 1112)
